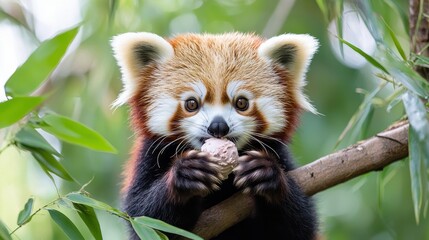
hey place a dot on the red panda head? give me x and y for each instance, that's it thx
(192, 87)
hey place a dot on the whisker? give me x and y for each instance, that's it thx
(270, 138)
(165, 147)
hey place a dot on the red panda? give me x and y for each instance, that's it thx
(184, 90)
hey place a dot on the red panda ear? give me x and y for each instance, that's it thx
(293, 52)
(134, 52)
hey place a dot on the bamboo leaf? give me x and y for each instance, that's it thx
(39, 65)
(24, 214)
(399, 9)
(65, 224)
(16, 108)
(47, 161)
(361, 117)
(165, 227)
(324, 8)
(87, 214)
(4, 232)
(395, 41)
(416, 112)
(74, 132)
(418, 150)
(370, 59)
(144, 232)
(82, 199)
(29, 137)
(339, 5)
(408, 77)
(161, 235)
(415, 173)
(421, 60)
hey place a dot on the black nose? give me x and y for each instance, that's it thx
(218, 128)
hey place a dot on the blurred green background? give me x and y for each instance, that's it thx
(374, 206)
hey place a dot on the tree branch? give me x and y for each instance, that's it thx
(370, 155)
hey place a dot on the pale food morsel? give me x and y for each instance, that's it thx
(223, 150)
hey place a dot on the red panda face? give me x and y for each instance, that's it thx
(194, 87)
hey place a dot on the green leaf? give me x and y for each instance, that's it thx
(29, 137)
(323, 7)
(82, 199)
(394, 99)
(408, 77)
(24, 215)
(418, 150)
(144, 232)
(415, 173)
(14, 109)
(4, 232)
(366, 13)
(47, 161)
(161, 235)
(39, 65)
(160, 225)
(370, 59)
(421, 60)
(395, 41)
(65, 224)
(361, 118)
(74, 132)
(416, 112)
(339, 5)
(399, 9)
(90, 219)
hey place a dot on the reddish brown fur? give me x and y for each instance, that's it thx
(292, 108)
(130, 166)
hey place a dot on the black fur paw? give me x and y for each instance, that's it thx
(194, 174)
(260, 174)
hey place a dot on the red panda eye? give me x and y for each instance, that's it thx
(191, 105)
(242, 104)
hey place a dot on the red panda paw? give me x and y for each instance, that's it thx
(259, 174)
(193, 174)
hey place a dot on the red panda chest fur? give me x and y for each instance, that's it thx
(187, 89)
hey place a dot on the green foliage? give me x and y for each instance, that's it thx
(25, 214)
(145, 232)
(44, 59)
(4, 233)
(399, 72)
(28, 137)
(66, 225)
(16, 108)
(76, 133)
(162, 226)
(370, 59)
(87, 214)
(418, 151)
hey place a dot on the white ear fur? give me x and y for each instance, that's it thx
(293, 52)
(134, 51)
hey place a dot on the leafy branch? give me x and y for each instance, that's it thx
(145, 227)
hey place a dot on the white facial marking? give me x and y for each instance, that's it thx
(200, 89)
(273, 113)
(232, 88)
(160, 113)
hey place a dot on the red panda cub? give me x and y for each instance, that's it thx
(186, 89)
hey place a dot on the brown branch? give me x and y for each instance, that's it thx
(370, 155)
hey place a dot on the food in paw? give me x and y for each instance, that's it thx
(223, 150)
